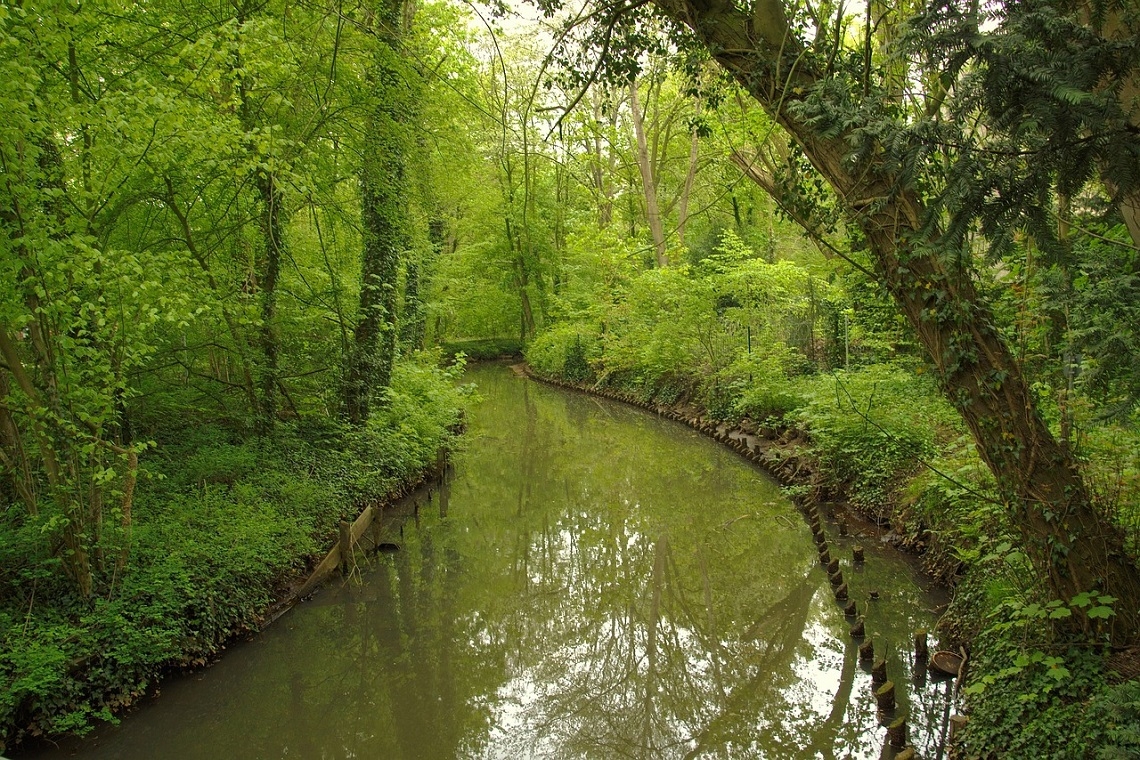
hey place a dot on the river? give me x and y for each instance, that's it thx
(591, 581)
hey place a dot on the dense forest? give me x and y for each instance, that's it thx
(247, 245)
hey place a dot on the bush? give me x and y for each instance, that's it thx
(763, 386)
(1117, 709)
(1034, 710)
(565, 351)
(872, 428)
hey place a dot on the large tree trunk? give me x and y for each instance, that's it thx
(1073, 546)
(383, 197)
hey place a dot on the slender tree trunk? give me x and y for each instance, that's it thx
(687, 189)
(13, 456)
(1074, 546)
(690, 179)
(240, 345)
(77, 561)
(645, 166)
(603, 168)
(1119, 23)
(412, 318)
(271, 230)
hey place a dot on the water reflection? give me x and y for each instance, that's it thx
(594, 583)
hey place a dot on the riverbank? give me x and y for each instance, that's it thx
(881, 443)
(225, 525)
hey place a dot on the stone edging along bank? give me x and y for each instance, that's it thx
(782, 452)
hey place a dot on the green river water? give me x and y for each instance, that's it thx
(592, 581)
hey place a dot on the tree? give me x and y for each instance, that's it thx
(648, 180)
(384, 190)
(857, 144)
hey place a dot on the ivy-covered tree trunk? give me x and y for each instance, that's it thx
(412, 319)
(384, 196)
(271, 229)
(1073, 545)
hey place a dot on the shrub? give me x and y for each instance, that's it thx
(872, 428)
(565, 348)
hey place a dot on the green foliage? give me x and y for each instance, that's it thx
(218, 527)
(564, 351)
(872, 427)
(1117, 709)
(764, 387)
(483, 349)
(1038, 707)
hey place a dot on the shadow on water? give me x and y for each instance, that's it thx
(592, 581)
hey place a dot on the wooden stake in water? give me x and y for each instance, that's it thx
(885, 696)
(345, 547)
(896, 733)
(879, 672)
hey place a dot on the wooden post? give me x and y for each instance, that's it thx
(857, 553)
(833, 567)
(957, 723)
(867, 650)
(375, 527)
(843, 527)
(836, 579)
(921, 648)
(824, 556)
(841, 592)
(907, 754)
(345, 547)
(852, 609)
(859, 630)
(885, 696)
(879, 671)
(896, 733)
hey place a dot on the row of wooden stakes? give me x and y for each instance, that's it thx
(884, 688)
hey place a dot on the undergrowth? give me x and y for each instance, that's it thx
(220, 524)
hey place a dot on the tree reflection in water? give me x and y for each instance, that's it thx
(594, 583)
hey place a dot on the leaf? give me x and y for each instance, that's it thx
(1101, 612)
(1059, 673)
